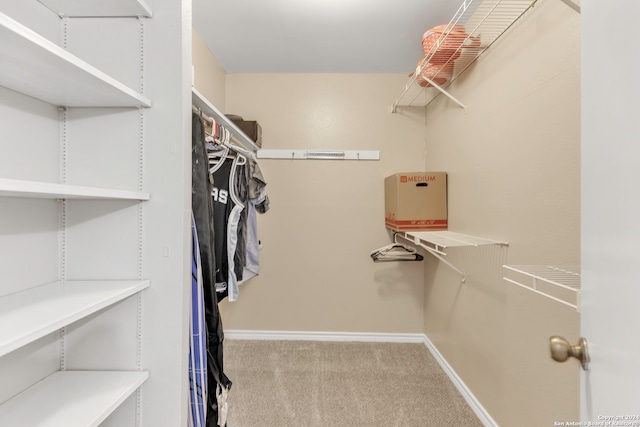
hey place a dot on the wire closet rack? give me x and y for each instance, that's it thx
(484, 21)
(558, 283)
(437, 243)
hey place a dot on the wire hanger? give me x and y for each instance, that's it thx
(396, 252)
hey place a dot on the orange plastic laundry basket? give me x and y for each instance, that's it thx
(443, 47)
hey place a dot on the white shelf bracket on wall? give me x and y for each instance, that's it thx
(432, 83)
(319, 154)
(436, 243)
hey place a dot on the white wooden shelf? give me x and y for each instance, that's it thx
(95, 8)
(35, 66)
(200, 102)
(71, 399)
(483, 20)
(45, 190)
(560, 284)
(31, 314)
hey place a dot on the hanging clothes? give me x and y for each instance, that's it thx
(242, 192)
(253, 195)
(227, 190)
(257, 196)
(227, 194)
(238, 192)
(203, 212)
(198, 339)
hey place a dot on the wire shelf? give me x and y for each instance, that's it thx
(439, 241)
(436, 242)
(560, 284)
(484, 21)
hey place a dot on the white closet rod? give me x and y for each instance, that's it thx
(209, 120)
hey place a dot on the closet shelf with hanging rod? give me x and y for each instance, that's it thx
(449, 50)
(558, 283)
(396, 252)
(437, 242)
(207, 108)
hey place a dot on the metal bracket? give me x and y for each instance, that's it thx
(435, 253)
(572, 5)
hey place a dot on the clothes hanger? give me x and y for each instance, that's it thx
(396, 252)
(217, 147)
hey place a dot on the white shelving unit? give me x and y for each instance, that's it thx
(45, 190)
(39, 68)
(71, 399)
(31, 314)
(560, 284)
(437, 242)
(95, 226)
(483, 20)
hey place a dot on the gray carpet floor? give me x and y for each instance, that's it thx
(326, 384)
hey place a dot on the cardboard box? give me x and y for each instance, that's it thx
(250, 128)
(416, 201)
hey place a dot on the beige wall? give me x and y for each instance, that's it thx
(513, 157)
(208, 75)
(327, 216)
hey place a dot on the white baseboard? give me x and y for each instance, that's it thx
(471, 400)
(468, 396)
(323, 336)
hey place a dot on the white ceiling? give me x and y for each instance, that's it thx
(318, 36)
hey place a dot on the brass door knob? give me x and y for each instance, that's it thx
(561, 350)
